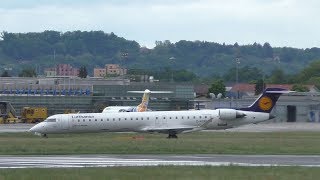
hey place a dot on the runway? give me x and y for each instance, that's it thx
(13, 128)
(70, 161)
(80, 161)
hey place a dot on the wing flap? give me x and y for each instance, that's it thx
(177, 129)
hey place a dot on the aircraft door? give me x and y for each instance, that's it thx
(161, 121)
(65, 122)
(157, 121)
(164, 121)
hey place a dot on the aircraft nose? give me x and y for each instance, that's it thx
(35, 128)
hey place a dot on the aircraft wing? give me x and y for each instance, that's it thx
(176, 129)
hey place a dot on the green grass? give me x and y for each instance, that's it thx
(165, 172)
(192, 143)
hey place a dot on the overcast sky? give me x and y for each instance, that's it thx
(291, 23)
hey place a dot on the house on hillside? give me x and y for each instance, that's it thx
(201, 90)
(244, 89)
(241, 89)
(312, 88)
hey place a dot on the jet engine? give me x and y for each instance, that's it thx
(229, 114)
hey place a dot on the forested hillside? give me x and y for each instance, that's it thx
(97, 48)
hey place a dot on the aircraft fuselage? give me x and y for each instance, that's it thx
(143, 121)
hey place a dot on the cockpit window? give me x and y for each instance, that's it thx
(50, 120)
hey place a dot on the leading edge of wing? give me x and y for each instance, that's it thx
(178, 129)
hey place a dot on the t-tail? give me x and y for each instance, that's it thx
(266, 100)
(143, 106)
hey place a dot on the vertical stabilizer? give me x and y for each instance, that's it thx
(143, 106)
(266, 100)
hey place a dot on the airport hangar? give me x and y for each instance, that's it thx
(92, 95)
(292, 107)
(62, 94)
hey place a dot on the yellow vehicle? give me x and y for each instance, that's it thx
(7, 113)
(33, 114)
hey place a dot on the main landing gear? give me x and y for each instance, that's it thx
(172, 135)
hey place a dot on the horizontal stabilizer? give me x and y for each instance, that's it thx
(279, 92)
(153, 92)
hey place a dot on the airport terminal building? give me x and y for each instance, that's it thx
(91, 95)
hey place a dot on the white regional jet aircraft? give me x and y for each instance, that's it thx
(143, 106)
(168, 122)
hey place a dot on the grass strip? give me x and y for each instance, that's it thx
(165, 172)
(192, 143)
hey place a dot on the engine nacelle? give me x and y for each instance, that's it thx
(229, 114)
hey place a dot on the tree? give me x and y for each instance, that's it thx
(218, 87)
(83, 72)
(278, 77)
(5, 74)
(267, 50)
(245, 74)
(28, 72)
(313, 70)
(259, 87)
(183, 75)
(299, 88)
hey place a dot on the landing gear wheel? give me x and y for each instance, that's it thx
(172, 136)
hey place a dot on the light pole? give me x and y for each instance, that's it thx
(123, 57)
(263, 81)
(237, 77)
(172, 60)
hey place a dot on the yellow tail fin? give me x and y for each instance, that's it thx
(143, 106)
